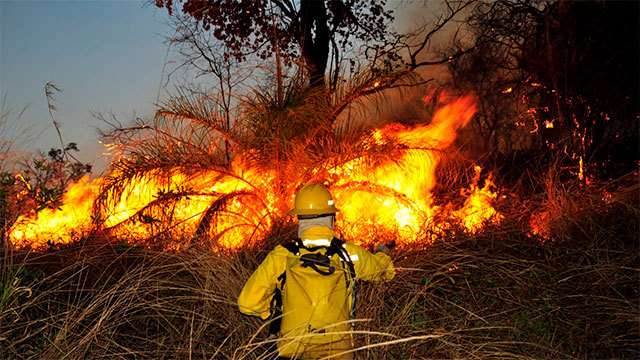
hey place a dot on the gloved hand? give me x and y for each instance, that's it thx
(381, 248)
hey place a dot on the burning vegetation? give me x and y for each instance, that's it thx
(511, 191)
(383, 183)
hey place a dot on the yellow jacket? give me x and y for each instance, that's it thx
(255, 298)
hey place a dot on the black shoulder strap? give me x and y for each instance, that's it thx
(335, 247)
(294, 246)
(338, 248)
(276, 300)
(276, 306)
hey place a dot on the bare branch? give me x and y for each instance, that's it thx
(443, 20)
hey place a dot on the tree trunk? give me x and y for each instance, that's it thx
(315, 39)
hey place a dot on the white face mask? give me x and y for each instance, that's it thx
(305, 224)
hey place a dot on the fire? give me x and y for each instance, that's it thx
(477, 208)
(395, 197)
(141, 212)
(229, 206)
(540, 225)
(234, 207)
(62, 224)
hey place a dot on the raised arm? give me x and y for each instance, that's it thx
(370, 267)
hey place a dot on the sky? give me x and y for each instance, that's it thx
(104, 55)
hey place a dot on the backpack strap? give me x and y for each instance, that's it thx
(337, 247)
(276, 300)
(294, 246)
(276, 306)
(315, 261)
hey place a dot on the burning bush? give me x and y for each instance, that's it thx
(382, 178)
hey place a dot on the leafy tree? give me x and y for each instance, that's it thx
(307, 29)
(46, 178)
(329, 39)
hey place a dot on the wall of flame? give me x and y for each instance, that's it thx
(391, 199)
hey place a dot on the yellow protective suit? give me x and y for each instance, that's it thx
(301, 342)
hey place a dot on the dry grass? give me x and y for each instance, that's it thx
(500, 293)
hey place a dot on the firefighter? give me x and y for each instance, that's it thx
(307, 287)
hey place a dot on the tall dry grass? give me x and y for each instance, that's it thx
(570, 292)
(500, 293)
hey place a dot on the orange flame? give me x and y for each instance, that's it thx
(62, 224)
(395, 197)
(540, 225)
(238, 206)
(477, 208)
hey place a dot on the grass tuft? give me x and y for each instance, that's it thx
(499, 293)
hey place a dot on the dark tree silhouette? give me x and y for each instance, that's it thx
(585, 57)
(572, 67)
(309, 30)
(330, 39)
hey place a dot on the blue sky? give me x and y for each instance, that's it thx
(104, 55)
